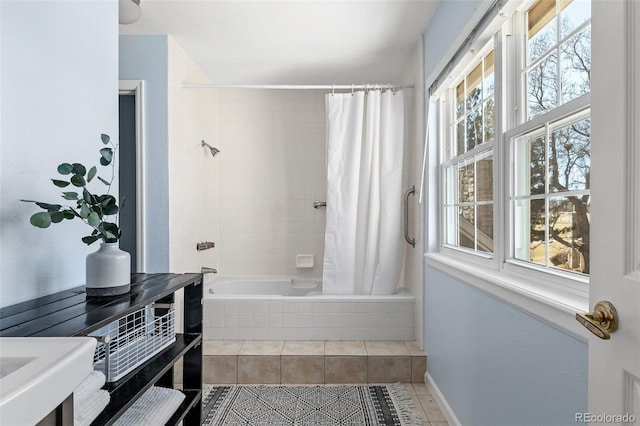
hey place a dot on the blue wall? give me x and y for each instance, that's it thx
(494, 364)
(146, 58)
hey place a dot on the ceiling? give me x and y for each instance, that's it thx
(291, 42)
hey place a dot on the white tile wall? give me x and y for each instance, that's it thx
(271, 169)
(309, 320)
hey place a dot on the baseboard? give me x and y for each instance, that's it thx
(441, 401)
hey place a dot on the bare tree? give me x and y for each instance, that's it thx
(564, 74)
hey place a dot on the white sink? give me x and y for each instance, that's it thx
(38, 373)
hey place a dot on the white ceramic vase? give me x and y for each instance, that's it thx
(108, 271)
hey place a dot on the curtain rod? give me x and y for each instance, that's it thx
(296, 86)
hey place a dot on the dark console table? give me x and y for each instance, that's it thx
(72, 313)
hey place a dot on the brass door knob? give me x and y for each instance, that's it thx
(602, 321)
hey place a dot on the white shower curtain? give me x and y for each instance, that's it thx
(363, 240)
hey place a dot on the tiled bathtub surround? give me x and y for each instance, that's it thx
(312, 362)
(310, 318)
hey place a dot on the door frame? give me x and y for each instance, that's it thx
(136, 88)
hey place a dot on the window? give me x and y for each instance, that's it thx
(469, 173)
(544, 155)
(558, 53)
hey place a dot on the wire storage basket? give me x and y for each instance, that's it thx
(128, 342)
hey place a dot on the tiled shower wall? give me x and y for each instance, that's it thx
(272, 166)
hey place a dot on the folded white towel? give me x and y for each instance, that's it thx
(87, 409)
(94, 381)
(154, 407)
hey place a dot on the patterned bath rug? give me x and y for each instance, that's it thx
(309, 405)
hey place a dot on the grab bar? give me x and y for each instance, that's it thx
(410, 240)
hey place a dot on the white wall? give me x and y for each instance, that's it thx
(193, 172)
(271, 169)
(414, 140)
(58, 85)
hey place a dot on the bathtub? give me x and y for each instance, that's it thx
(277, 308)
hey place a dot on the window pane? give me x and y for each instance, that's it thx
(570, 157)
(569, 234)
(575, 65)
(489, 120)
(465, 183)
(529, 231)
(466, 223)
(575, 12)
(460, 100)
(474, 128)
(451, 230)
(529, 167)
(542, 86)
(450, 185)
(488, 83)
(460, 138)
(484, 178)
(474, 87)
(541, 28)
(485, 228)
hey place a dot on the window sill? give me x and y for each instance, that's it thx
(552, 305)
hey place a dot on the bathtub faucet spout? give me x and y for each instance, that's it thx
(205, 270)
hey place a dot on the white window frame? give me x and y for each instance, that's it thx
(553, 295)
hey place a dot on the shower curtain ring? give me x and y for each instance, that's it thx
(352, 89)
(333, 89)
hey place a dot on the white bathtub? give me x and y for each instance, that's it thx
(275, 308)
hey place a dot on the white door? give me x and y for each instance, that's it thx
(614, 365)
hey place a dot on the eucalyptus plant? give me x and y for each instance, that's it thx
(92, 209)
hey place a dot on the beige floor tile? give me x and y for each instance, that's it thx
(345, 369)
(220, 369)
(345, 347)
(421, 389)
(384, 348)
(414, 349)
(409, 388)
(418, 368)
(389, 369)
(302, 369)
(261, 347)
(258, 369)
(221, 347)
(432, 409)
(303, 347)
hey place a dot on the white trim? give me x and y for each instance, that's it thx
(441, 400)
(633, 150)
(549, 303)
(136, 88)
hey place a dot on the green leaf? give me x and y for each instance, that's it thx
(60, 183)
(86, 196)
(104, 162)
(107, 154)
(41, 220)
(105, 200)
(79, 169)
(92, 173)
(70, 196)
(104, 181)
(68, 214)
(105, 138)
(49, 207)
(85, 211)
(110, 209)
(90, 239)
(78, 180)
(56, 217)
(93, 219)
(65, 168)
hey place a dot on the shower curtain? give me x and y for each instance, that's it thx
(363, 239)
